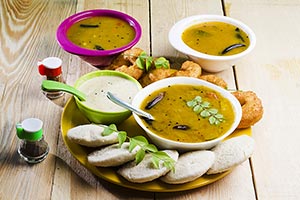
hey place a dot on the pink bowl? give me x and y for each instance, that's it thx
(97, 58)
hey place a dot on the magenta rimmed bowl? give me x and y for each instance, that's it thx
(95, 57)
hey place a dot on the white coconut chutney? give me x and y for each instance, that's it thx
(96, 89)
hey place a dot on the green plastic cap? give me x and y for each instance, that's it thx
(30, 129)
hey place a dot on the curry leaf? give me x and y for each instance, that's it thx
(109, 130)
(198, 99)
(132, 144)
(149, 61)
(141, 140)
(122, 137)
(212, 120)
(205, 113)
(162, 62)
(191, 103)
(151, 148)
(140, 156)
(155, 161)
(140, 63)
(144, 62)
(168, 162)
(219, 116)
(197, 109)
(213, 111)
(205, 104)
(217, 122)
(144, 145)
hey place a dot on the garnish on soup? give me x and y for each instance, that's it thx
(207, 116)
(204, 109)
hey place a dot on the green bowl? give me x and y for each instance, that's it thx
(98, 116)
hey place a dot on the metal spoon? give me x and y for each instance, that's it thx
(128, 106)
(48, 85)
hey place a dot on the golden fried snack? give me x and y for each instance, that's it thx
(215, 80)
(189, 68)
(132, 54)
(155, 75)
(117, 62)
(127, 58)
(252, 109)
(132, 70)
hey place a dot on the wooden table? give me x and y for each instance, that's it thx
(272, 70)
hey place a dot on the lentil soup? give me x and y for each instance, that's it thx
(189, 113)
(101, 33)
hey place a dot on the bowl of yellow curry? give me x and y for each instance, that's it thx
(98, 36)
(189, 113)
(215, 42)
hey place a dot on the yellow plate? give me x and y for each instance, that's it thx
(72, 117)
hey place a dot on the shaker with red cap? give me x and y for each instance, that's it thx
(51, 67)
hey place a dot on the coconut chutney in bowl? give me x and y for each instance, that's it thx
(97, 107)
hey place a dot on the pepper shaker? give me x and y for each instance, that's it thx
(51, 67)
(32, 148)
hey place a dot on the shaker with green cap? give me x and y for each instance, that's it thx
(32, 148)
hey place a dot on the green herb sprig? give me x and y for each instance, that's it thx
(204, 109)
(145, 62)
(145, 147)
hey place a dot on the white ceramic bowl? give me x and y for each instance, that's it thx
(182, 146)
(209, 63)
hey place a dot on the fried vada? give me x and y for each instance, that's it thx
(190, 69)
(214, 80)
(252, 109)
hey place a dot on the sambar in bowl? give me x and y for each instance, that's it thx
(190, 114)
(215, 42)
(98, 36)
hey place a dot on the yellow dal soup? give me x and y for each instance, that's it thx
(187, 113)
(216, 38)
(101, 33)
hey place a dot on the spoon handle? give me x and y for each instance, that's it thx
(124, 104)
(48, 85)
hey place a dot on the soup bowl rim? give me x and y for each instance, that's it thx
(81, 80)
(67, 45)
(171, 144)
(178, 28)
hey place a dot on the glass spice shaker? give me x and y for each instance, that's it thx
(52, 69)
(32, 148)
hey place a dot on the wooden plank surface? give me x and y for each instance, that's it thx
(273, 71)
(237, 185)
(81, 184)
(26, 36)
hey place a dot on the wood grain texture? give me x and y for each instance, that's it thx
(273, 71)
(237, 185)
(81, 184)
(24, 26)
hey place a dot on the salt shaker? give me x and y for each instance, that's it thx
(51, 67)
(32, 148)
